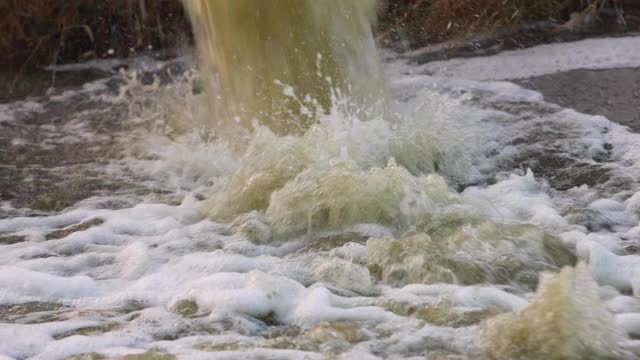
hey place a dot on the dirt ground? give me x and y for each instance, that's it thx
(613, 93)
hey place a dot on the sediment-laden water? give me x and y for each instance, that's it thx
(425, 233)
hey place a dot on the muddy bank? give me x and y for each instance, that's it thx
(612, 93)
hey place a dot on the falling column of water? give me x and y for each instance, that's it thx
(281, 62)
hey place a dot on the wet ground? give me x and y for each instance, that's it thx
(613, 93)
(55, 149)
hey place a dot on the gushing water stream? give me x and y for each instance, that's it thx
(279, 63)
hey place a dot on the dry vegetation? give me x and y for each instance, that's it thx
(40, 32)
(421, 22)
(430, 21)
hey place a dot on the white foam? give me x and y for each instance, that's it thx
(605, 53)
(17, 284)
(624, 304)
(143, 262)
(630, 323)
(8, 112)
(450, 339)
(632, 205)
(83, 344)
(609, 269)
(466, 296)
(25, 341)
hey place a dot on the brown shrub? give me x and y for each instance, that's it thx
(421, 22)
(41, 32)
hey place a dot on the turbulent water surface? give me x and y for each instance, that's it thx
(475, 220)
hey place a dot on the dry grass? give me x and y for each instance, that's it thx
(41, 32)
(421, 22)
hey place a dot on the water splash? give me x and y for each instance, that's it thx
(565, 320)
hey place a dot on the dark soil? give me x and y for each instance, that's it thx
(36, 83)
(613, 93)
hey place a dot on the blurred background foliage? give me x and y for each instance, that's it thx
(34, 33)
(42, 32)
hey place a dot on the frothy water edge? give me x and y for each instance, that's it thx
(387, 215)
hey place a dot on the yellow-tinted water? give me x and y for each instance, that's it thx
(281, 62)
